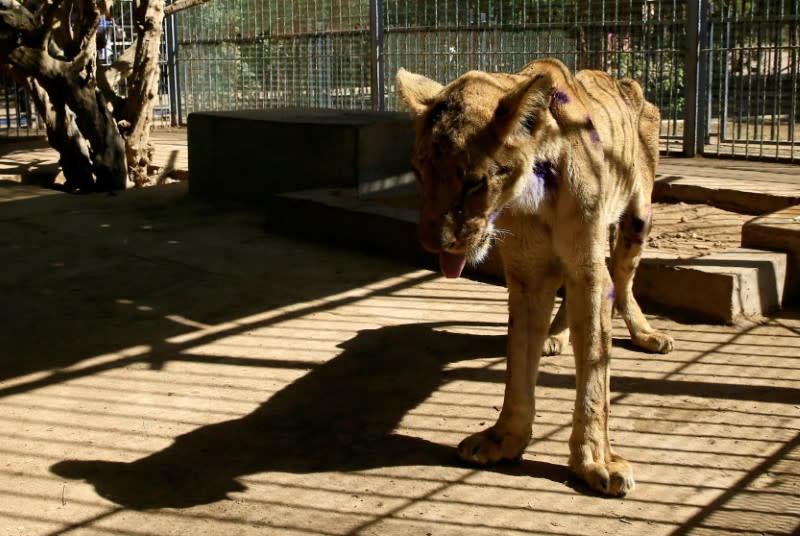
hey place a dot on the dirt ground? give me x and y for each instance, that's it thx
(682, 230)
(170, 368)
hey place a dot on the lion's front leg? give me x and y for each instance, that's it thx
(591, 457)
(530, 305)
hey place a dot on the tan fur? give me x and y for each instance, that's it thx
(549, 166)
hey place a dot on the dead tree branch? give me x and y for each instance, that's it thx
(180, 5)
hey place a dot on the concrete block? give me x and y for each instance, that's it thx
(339, 216)
(742, 196)
(727, 287)
(778, 231)
(382, 223)
(252, 155)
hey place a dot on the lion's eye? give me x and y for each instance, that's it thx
(475, 185)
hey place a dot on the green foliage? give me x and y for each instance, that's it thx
(661, 78)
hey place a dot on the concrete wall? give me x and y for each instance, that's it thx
(251, 155)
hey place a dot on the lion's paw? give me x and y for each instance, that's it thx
(491, 445)
(654, 341)
(554, 344)
(614, 478)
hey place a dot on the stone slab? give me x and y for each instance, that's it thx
(743, 196)
(778, 231)
(727, 287)
(251, 155)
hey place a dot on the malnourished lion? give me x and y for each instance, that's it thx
(544, 163)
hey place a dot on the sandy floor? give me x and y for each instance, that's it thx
(169, 368)
(684, 231)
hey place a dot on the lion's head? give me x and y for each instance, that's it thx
(483, 142)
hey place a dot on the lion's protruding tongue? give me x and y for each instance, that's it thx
(452, 264)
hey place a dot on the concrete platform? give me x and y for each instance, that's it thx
(360, 167)
(254, 155)
(728, 287)
(376, 222)
(778, 231)
(735, 185)
(169, 367)
(732, 286)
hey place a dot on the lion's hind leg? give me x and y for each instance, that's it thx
(633, 229)
(558, 337)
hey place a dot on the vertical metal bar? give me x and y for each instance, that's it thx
(177, 73)
(695, 33)
(376, 53)
(748, 109)
(726, 77)
(708, 81)
(778, 98)
(761, 86)
(743, 71)
(794, 58)
(6, 81)
(172, 74)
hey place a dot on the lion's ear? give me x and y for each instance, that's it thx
(416, 91)
(523, 106)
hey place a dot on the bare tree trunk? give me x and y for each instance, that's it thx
(67, 74)
(64, 136)
(142, 90)
(97, 124)
(52, 45)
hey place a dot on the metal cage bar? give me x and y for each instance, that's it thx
(754, 57)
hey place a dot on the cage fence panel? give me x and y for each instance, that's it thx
(284, 53)
(753, 55)
(639, 39)
(316, 53)
(255, 54)
(18, 117)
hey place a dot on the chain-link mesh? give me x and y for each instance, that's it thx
(754, 79)
(239, 54)
(283, 53)
(640, 39)
(253, 54)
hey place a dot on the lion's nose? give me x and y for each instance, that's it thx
(436, 245)
(435, 239)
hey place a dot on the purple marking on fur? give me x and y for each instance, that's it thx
(559, 97)
(593, 134)
(612, 294)
(493, 216)
(546, 172)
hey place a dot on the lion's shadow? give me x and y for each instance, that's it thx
(340, 416)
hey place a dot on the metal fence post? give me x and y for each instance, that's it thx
(376, 54)
(696, 23)
(173, 82)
